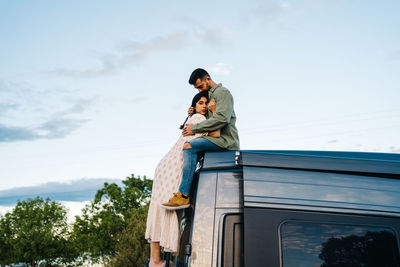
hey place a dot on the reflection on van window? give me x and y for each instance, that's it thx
(328, 245)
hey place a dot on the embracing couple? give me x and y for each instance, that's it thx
(210, 127)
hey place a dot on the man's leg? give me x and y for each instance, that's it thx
(181, 199)
(190, 161)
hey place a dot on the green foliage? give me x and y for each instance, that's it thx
(132, 248)
(97, 231)
(35, 230)
(110, 229)
(6, 249)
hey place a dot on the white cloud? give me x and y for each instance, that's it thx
(268, 11)
(75, 190)
(57, 126)
(220, 69)
(6, 107)
(74, 209)
(159, 43)
(29, 113)
(53, 128)
(284, 4)
(129, 53)
(394, 149)
(216, 36)
(132, 52)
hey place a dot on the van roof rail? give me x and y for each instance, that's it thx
(362, 163)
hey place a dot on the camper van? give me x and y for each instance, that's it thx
(292, 209)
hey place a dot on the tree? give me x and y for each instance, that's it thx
(6, 250)
(132, 248)
(35, 230)
(96, 232)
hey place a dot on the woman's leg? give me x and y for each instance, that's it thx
(155, 254)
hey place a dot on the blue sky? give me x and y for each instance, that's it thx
(97, 89)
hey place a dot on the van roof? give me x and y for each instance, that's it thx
(381, 164)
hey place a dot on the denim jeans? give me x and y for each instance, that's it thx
(190, 161)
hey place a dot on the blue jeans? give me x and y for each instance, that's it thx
(190, 161)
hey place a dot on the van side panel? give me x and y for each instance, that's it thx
(229, 202)
(308, 190)
(203, 222)
(219, 193)
(229, 189)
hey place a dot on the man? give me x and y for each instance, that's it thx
(224, 120)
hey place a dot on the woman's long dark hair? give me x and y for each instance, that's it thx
(196, 99)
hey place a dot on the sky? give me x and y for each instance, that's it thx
(97, 89)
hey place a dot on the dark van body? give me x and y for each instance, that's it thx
(292, 209)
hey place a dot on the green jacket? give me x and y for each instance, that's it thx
(224, 119)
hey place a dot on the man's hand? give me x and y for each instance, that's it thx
(187, 130)
(190, 111)
(212, 106)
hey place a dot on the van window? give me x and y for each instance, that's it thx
(232, 245)
(327, 244)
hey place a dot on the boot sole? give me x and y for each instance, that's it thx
(175, 207)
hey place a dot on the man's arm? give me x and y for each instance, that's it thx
(222, 116)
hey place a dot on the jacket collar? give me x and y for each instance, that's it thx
(211, 91)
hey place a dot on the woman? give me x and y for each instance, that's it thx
(162, 229)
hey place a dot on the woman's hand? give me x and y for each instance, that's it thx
(187, 130)
(212, 106)
(216, 133)
(190, 111)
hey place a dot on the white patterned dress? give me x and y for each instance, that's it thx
(162, 225)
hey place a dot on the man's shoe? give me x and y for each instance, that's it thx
(177, 202)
